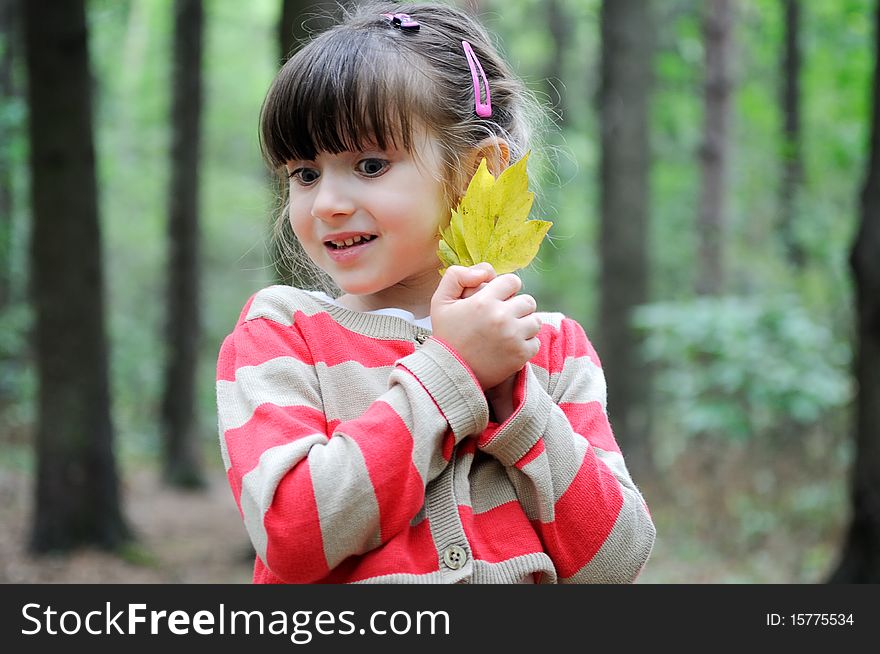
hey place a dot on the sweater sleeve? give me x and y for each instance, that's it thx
(566, 467)
(312, 494)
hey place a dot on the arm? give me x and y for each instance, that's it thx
(567, 468)
(309, 496)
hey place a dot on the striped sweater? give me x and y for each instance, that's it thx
(359, 449)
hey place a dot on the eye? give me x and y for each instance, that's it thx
(372, 167)
(304, 176)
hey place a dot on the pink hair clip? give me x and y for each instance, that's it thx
(403, 22)
(483, 109)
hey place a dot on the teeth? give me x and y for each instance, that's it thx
(349, 241)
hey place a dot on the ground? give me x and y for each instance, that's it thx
(183, 537)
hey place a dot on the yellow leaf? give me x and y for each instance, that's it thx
(491, 222)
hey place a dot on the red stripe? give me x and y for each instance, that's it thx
(409, 551)
(467, 446)
(536, 451)
(385, 442)
(588, 510)
(448, 444)
(226, 359)
(263, 575)
(340, 345)
(258, 341)
(500, 533)
(269, 427)
(558, 345)
(295, 550)
(590, 421)
(235, 484)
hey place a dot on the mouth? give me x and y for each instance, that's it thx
(344, 244)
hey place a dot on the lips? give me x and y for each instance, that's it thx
(346, 248)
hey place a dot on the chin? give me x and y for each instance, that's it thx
(358, 288)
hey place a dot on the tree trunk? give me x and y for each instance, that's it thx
(792, 157)
(180, 436)
(559, 26)
(715, 150)
(298, 21)
(627, 49)
(860, 559)
(76, 486)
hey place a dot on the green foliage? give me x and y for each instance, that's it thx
(17, 380)
(740, 368)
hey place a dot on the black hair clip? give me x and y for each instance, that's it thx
(403, 22)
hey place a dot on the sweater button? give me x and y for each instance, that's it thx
(421, 338)
(454, 557)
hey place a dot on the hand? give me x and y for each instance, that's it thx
(494, 330)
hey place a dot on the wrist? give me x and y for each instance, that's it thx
(500, 399)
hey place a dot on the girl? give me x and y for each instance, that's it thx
(414, 428)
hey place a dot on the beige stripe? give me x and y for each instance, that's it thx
(282, 381)
(490, 487)
(533, 486)
(541, 374)
(426, 425)
(347, 505)
(224, 451)
(279, 303)
(259, 485)
(461, 484)
(552, 318)
(579, 381)
(348, 389)
(565, 451)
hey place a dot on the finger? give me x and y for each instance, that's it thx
(483, 271)
(457, 278)
(530, 326)
(522, 305)
(533, 345)
(503, 287)
(473, 289)
(485, 265)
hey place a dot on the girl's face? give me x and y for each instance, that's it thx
(370, 220)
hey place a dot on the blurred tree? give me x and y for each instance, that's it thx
(715, 148)
(298, 21)
(792, 156)
(560, 29)
(76, 486)
(181, 466)
(860, 559)
(7, 94)
(627, 52)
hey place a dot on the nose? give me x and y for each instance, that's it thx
(332, 199)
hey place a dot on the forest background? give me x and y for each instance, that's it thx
(748, 448)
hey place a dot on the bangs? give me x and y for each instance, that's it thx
(345, 91)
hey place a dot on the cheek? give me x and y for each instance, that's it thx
(298, 216)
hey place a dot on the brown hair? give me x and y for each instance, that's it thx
(365, 82)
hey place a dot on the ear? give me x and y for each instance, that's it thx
(494, 150)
